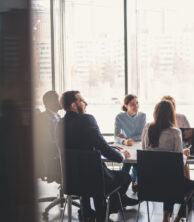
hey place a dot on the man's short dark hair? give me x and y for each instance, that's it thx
(68, 98)
(48, 97)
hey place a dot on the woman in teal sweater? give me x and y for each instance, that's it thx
(128, 129)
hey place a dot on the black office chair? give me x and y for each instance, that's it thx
(49, 177)
(84, 176)
(161, 178)
(52, 172)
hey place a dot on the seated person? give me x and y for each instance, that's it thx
(47, 153)
(82, 132)
(181, 120)
(128, 128)
(163, 135)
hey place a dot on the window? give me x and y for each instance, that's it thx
(41, 49)
(94, 52)
(89, 53)
(165, 53)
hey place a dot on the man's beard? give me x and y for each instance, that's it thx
(79, 109)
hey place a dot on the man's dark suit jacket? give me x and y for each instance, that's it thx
(81, 132)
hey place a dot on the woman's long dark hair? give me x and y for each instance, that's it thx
(164, 117)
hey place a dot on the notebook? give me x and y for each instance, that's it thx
(188, 139)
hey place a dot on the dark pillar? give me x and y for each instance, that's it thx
(17, 190)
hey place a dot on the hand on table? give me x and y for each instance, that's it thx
(117, 148)
(186, 152)
(126, 154)
(128, 142)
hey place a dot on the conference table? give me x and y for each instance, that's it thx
(133, 151)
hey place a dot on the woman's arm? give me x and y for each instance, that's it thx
(140, 127)
(117, 132)
(178, 143)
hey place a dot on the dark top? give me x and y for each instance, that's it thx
(82, 132)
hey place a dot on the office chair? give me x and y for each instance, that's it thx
(48, 164)
(161, 178)
(52, 172)
(49, 178)
(84, 177)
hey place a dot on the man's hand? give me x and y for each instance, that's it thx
(186, 152)
(126, 154)
(117, 148)
(128, 142)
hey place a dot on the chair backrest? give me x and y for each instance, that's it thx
(83, 174)
(160, 176)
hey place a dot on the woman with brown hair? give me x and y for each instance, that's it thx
(128, 128)
(163, 135)
(181, 122)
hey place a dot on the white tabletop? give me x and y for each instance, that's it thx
(133, 151)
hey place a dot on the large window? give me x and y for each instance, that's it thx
(165, 52)
(41, 49)
(89, 53)
(94, 56)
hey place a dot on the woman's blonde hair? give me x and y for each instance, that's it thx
(171, 99)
